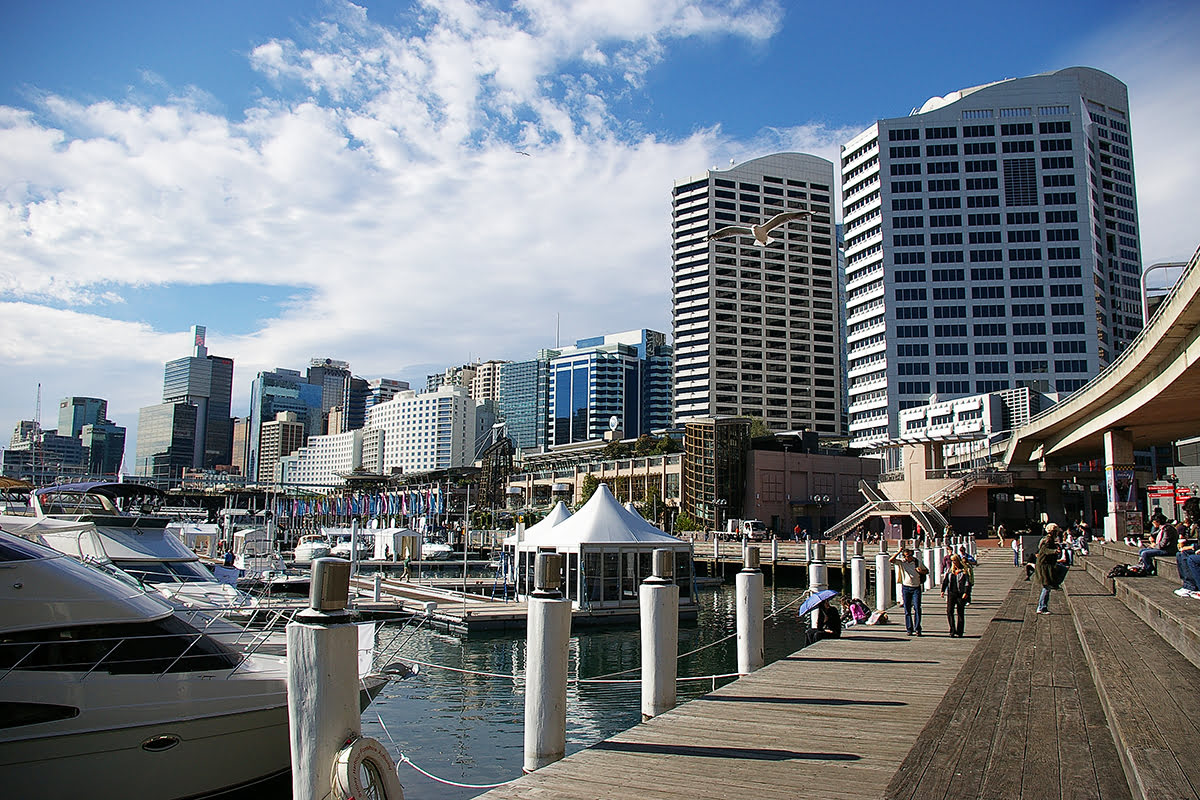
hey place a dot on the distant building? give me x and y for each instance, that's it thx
(454, 376)
(324, 461)
(276, 391)
(205, 381)
(426, 431)
(624, 377)
(485, 385)
(241, 444)
(339, 389)
(280, 437)
(714, 468)
(524, 399)
(381, 390)
(166, 441)
(105, 443)
(75, 412)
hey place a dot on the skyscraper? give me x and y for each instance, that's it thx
(991, 243)
(426, 431)
(626, 376)
(206, 382)
(75, 412)
(756, 328)
(523, 399)
(276, 391)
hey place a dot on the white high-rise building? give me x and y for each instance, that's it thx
(991, 243)
(756, 329)
(324, 461)
(426, 431)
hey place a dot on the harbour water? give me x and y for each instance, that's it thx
(468, 727)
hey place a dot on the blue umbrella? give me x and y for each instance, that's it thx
(815, 599)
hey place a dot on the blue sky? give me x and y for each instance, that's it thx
(325, 179)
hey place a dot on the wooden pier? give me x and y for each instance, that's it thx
(1010, 711)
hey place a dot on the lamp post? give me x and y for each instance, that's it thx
(1173, 479)
(718, 504)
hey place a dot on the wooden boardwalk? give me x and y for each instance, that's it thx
(835, 720)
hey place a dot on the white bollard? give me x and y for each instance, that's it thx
(378, 593)
(818, 575)
(844, 553)
(899, 576)
(745, 547)
(659, 600)
(931, 563)
(807, 551)
(858, 578)
(750, 615)
(548, 644)
(774, 550)
(322, 680)
(716, 547)
(971, 546)
(883, 584)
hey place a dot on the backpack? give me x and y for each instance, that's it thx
(858, 610)
(1121, 571)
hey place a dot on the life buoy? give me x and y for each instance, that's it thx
(362, 770)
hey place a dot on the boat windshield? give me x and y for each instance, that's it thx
(166, 571)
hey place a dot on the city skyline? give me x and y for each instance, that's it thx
(250, 170)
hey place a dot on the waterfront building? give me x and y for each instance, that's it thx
(43, 457)
(714, 468)
(622, 376)
(280, 437)
(75, 412)
(324, 461)
(205, 381)
(756, 328)
(276, 391)
(991, 243)
(425, 431)
(166, 441)
(524, 397)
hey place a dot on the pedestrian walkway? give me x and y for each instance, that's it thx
(834, 720)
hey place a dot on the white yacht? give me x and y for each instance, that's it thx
(105, 691)
(311, 546)
(136, 543)
(436, 551)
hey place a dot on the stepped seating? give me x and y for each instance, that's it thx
(1147, 687)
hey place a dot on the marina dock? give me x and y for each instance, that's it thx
(1012, 710)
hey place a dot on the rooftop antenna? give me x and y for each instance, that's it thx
(557, 322)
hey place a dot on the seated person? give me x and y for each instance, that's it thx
(1166, 540)
(829, 622)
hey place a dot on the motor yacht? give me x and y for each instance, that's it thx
(311, 546)
(137, 543)
(105, 691)
(436, 551)
(341, 542)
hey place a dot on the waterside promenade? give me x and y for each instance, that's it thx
(1009, 711)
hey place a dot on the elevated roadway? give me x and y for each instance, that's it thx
(1151, 392)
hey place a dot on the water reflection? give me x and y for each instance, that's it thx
(468, 728)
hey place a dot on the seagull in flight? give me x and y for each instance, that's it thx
(761, 233)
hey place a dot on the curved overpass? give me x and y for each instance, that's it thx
(1151, 391)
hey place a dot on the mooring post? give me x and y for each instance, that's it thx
(322, 679)
(548, 645)
(774, 554)
(931, 563)
(883, 578)
(750, 614)
(807, 551)
(818, 574)
(858, 574)
(378, 593)
(659, 598)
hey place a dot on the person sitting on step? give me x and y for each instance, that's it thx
(1166, 540)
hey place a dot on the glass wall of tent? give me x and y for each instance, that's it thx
(607, 575)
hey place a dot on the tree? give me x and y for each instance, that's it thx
(644, 445)
(616, 450)
(758, 428)
(665, 446)
(587, 487)
(684, 522)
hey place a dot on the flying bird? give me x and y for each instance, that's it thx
(761, 233)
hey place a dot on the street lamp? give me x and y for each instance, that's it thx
(718, 504)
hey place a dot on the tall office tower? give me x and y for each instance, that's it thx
(756, 328)
(354, 405)
(381, 390)
(281, 390)
(105, 443)
(279, 437)
(334, 378)
(75, 412)
(524, 397)
(426, 431)
(991, 243)
(206, 382)
(485, 384)
(166, 440)
(625, 376)
(241, 444)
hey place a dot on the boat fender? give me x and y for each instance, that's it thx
(363, 768)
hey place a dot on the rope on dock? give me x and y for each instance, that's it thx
(406, 760)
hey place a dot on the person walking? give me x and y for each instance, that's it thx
(912, 578)
(956, 588)
(1047, 558)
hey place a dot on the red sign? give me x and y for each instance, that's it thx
(1159, 491)
(1182, 494)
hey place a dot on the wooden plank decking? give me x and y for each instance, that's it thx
(835, 720)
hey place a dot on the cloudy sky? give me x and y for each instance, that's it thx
(407, 186)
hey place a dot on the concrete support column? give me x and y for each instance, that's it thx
(818, 574)
(548, 637)
(1119, 482)
(750, 615)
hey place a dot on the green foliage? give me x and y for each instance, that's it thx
(758, 427)
(684, 522)
(587, 487)
(616, 450)
(665, 446)
(644, 446)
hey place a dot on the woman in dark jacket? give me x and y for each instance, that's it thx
(956, 588)
(1047, 560)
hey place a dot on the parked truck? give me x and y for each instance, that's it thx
(752, 529)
